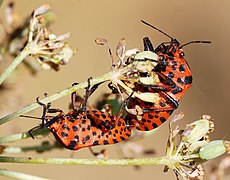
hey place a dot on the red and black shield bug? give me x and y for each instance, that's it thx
(82, 128)
(175, 79)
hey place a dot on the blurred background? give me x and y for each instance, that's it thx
(113, 20)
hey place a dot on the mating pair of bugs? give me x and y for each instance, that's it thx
(81, 128)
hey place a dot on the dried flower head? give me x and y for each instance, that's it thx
(187, 149)
(126, 70)
(34, 32)
(50, 50)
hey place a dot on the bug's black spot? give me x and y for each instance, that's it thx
(74, 128)
(83, 121)
(88, 127)
(119, 124)
(115, 141)
(83, 129)
(188, 80)
(162, 104)
(174, 63)
(149, 121)
(162, 119)
(103, 116)
(95, 143)
(76, 138)
(107, 136)
(64, 127)
(72, 145)
(182, 68)
(97, 115)
(150, 116)
(64, 135)
(156, 116)
(94, 133)
(169, 112)
(179, 80)
(176, 90)
(154, 125)
(86, 138)
(146, 128)
(143, 120)
(122, 138)
(170, 75)
(105, 142)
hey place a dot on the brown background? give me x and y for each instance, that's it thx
(87, 20)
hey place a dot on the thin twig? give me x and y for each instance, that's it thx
(94, 162)
(24, 53)
(18, 175)
(56, 96)
(24, 135)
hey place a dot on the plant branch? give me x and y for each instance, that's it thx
(56, 96)
(18, 175)
(24, 135)
(45, 146)
(24, 53)
(95, 162)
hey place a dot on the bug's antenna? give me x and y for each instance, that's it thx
(156, 29)
(191, 42)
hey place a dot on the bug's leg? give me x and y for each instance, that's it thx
(147, 44)
(89, 91)
(45, 109)
(34, 129)
(75, 98)
(124, 104)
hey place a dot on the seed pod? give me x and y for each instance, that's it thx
(196, 130)
(144, 55)
(149, 97)
(213, 149)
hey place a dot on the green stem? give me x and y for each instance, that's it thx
(56, 96)
(94, 162)
(39, 149)
(18, 175)
(25, 52)
(19, 136)
(1, 1)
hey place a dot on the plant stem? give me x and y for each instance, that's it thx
(1, 1)
(18, 175)
(40, 148)
(24, 53)
(56, 96)
(24, 135)
(94, 162)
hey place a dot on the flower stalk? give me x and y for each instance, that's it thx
(17, 175)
